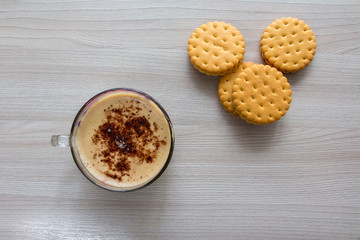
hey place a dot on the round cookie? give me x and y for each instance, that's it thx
(215, 48)
(288, 44)
(261, 94)
(226, 84)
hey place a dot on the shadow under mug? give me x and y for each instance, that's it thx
(70, 140)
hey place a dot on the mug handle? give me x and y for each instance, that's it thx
(60, 140)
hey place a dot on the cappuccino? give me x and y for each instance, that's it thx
(124, 139)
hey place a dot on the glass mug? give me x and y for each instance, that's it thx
(108, 181)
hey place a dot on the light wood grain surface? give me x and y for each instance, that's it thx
(298, 178)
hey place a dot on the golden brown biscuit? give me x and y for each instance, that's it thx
(215, 48)
(288, 44)
(226, 84)
(261, 94)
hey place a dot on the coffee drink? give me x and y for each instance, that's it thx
(124, 139)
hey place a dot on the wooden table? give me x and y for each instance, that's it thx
(298, 178)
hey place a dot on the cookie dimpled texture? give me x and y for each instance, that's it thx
(215, 48)
(225, 87)
(261, 94)
(288, 44)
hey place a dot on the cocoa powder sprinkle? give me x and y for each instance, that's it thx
(126, 138)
